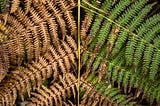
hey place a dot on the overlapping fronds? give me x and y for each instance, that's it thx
(23, 79)
(119, 53)
(121, 46)
(98, 93)
(27, 36)
(58, 93)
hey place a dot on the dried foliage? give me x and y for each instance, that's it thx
(38, 43)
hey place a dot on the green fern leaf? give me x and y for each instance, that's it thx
(108, 91)
(126, 78)
(131, 12)
(3, 4)
(151, 33)
(99, 58)
(130, 49)
(134, 23)
(147, 25)
(96, 25)
(147, 58)
(106, 5)
(118, 8)
(85, 56)
(138, 53)
(154, 65)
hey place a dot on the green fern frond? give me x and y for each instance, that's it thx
(131, 27)
(112, 94)
(154, 65)
(138, 53)
(99, 58)
(126, 17)
(118, 8)
(3, 5)
(103, 32)
(148, 54)
(106, 5)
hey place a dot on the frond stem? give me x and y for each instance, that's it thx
(79, 49)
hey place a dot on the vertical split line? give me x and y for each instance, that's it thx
(79, 50)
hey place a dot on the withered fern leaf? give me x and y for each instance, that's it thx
(30, 77)
(27, 36)
(57, 93)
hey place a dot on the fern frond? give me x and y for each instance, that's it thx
(57, 93)
(154, 65)
(102, 35)
(4, 6)
(98, 20)
(27, 5)
(36, 73)
(72, 23)
(36, 42)
(4, 61)
(126, 17)
(34, 16)
(42, 10)
(15, 4)
(21, 16)
(45, 37)
(112, 95)
(132, 26)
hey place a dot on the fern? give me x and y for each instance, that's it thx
(111, 94)
(4, 6)
(57, 93)
(123, 41)
(119, 53)
(35, 73)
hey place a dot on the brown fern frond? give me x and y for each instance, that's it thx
(13, 26)
(84, 29)
(23, 18)
(93, 98)
(35, 16)
(62, 25)
(53, 28)
(35, 73)
(57, 93)
(20, 49)
(67, 14)
(45, 37)
(28, 5)
(4, 61)
(51, 6)
(29, 45)
(42, 10)
(36, 42)
(37, 29)
(33, 39)
(15, 5)
(71, 22)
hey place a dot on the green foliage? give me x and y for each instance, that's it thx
(3, 4)
(126, 43)
(112, 94)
